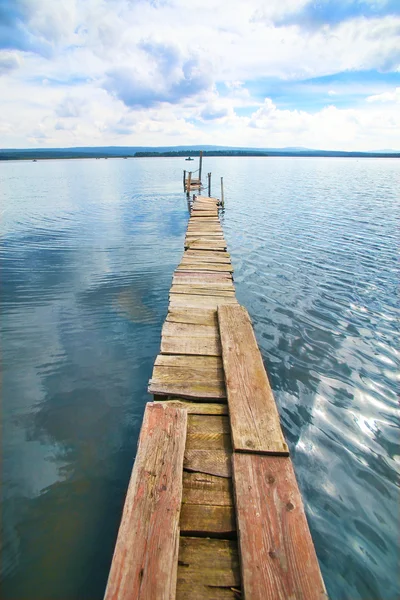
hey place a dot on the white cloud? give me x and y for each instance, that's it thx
(101, 72)
(393, 96)
(9, 61)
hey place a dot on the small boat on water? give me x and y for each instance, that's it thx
(189, 158)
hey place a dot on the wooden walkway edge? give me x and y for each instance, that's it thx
(146, 554)
(213, 510)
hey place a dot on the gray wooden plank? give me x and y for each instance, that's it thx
(145, 559)
(278, 559)
(253, 412)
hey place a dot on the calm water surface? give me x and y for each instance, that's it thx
(88, 250)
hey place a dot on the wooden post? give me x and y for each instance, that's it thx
(209, 185)
(189, 183)
(200, 165)
(222, 192)
(184, 179)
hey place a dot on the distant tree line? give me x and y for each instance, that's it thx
(120, 152)
(308, 153)
(178, 153)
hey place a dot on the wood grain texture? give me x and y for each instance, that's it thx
(191, 257)
(208, 569)
(202, 255)
(201, 245)
(194, 301)
(215, 226)
(202, 488)
(201, 277)
(226, 284)
(206, 363)
(203, 213)
(214, 462)
(198, 408)
(205, 219)
(207, 253)
(197, 377)
(205, 519)
(208, 441)
(202, 291)
(145, 560)
(201, 316)
(207, 391)
(206, 346)
(187, 374)
(254, 417)
(211, 199)
(207, 424)
(277, 553)
(189, 330)
(206, 265)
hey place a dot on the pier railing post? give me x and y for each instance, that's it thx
(184, 179)
(222, 192)
(200, 166)
(189, 183)
(209, 184)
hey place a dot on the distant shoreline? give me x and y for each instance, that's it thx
(49, 154)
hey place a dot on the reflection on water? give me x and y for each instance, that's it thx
(87, 256)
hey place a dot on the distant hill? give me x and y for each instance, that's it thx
(175, 151)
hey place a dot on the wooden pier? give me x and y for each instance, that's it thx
(213, 510)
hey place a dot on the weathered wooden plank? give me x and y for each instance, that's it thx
(189, 389)
(213, 225)
(207, 285)
(192, 259)
(208, 441)
(208, 424)
(204, 245)
(202, 291)
(203, 206)
(205, 363)
(208, 569)
(211, 199)
(277, 553)
(176, 375)
(202, 213)
(202, 316)
(214, 218)
(215, 462)
(202, 488)
(203, 519)
(226, 284)
(204, 234)
(254, 416)
(207, 256)
(209, 346)
(212, 266)
(196, 226)
(209, 239)
(145, 559)
(189, 330)
(198, 266)
(207, 253)
(188, 301)
(202, 276)
(197, 408)
(200, 219)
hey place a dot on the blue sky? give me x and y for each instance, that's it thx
(320, 74)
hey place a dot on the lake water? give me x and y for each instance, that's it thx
(88, 251)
